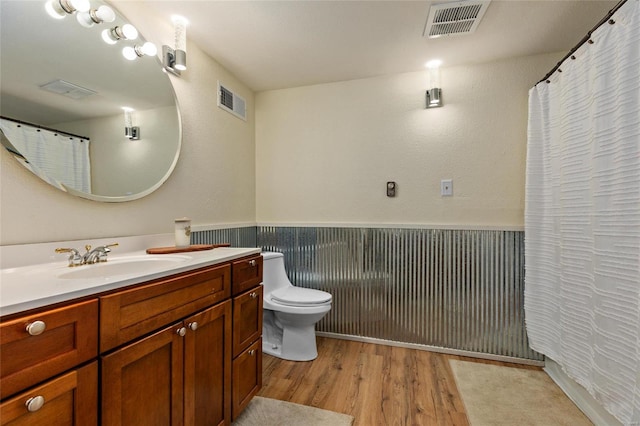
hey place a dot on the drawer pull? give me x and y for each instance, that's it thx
(253, 295)
(252, 262)
(34, 403)
(36, 328)
(193, 326)
(252, 352)
(181, 331)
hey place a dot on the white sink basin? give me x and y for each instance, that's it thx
(124, 266)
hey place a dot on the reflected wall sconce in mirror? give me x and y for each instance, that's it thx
(434, 94)
(175, 59)
(131, 132)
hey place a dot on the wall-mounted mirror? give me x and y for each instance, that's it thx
(62, 90)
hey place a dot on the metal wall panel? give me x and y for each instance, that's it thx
(455, 289)
(237, 237)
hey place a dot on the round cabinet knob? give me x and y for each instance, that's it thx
(181, 331)
(252, 262)
(193, 326)
(34, 403)
(252, 352)
(253, 295)
(35, 328)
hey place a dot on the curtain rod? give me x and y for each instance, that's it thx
(586, 39)
(44, 128)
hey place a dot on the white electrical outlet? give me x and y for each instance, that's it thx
(446, 187)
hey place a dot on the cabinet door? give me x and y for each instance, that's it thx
(247, 273)
(247, 319)
(142, 383)
(247, 377)
(207, 367)
(30, 355)
(71, 399)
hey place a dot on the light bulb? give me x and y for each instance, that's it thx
(105, 14)
(80, 5)
(84, 19)
(129, 32)
(149, 49)
(54, 10)
(108, 37)
(129, 53)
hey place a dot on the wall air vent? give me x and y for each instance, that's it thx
(461, 17)
(231, 102)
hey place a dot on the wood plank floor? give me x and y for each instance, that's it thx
(377, 384)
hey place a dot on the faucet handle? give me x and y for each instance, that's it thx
(75, 258)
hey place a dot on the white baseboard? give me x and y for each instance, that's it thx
(585, 402)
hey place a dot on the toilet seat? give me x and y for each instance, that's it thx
(297, 296)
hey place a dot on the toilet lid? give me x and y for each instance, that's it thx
(297, 296)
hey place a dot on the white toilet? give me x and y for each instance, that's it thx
(290, 313)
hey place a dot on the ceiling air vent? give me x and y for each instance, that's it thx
(70, 90)
(461, 17)
(230, 102)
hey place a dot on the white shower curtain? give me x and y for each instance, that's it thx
(582, 216)
(56, 158)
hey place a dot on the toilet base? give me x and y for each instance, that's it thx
(293, 343)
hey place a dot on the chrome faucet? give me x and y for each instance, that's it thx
(98, 254)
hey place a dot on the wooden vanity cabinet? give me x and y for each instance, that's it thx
(247, 332)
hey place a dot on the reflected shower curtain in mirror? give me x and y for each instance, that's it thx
(582, 216)
(51, 155)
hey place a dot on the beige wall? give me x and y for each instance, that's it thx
(214, 180)
(324, 153)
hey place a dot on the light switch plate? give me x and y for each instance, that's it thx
(446, 187)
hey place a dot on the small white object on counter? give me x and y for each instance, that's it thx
(183, 232)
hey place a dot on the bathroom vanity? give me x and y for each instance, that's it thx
(183, 347)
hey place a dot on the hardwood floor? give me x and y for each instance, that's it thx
(377, 384)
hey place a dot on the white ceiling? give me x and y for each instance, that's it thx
(279, 44)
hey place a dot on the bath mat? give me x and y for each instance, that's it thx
(272, 412)
(496, 395)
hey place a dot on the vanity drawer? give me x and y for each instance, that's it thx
(247, 273)
(247, 319)
(129, 314)
(71, 398)
(247, 377)
(70, 337)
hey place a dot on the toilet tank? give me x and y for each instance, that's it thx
(274, 276)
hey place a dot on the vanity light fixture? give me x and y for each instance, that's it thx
(175, 59)
(96, 16)
(434, 94)
(58, 9)
(133, 52)
(125, 32)
(131, 132)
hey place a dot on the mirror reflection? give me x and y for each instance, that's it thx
(79, 114)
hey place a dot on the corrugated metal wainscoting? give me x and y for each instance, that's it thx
(237, 237)
(454, 289)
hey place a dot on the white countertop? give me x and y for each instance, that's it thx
(33, 286)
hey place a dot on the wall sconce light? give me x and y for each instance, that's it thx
(131, 132)
(136, 51)
(125, 32)
(434, 94)
(175, 59)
